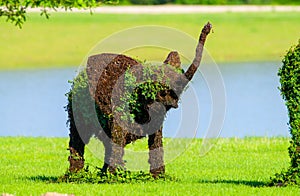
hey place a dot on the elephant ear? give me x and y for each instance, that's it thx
(168, 97)
(173, 59)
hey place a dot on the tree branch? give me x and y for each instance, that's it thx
(15, 11)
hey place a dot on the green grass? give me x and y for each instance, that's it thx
(232, 167)
(65, 39)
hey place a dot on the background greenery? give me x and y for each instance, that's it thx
(65, 39)
(211, 2)
(15, 11)
(233, 166)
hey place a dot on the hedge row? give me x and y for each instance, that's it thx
(210, 2)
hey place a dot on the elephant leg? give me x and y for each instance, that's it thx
(76, 147)
(108, 150)
(156, 154)
(118, 142)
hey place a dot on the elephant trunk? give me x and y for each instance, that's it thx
(199, 50)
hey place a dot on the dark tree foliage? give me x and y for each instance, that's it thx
(238, 2)
(213, 2)
(290, 89)
(151, 2)
(15, 10)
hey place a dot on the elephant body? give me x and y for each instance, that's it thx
(97, 107)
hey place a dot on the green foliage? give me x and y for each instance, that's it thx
(81, 103)
(15, 10)
(79, 99)
(290, 89)
(129, 98)
(94, 175)
(79, 85)
(148, 89)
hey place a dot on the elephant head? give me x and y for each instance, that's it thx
(170, 97)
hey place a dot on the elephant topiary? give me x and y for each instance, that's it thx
(118, 100)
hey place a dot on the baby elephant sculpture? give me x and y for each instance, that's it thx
(97, 105)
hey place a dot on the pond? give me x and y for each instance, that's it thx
(32, 103)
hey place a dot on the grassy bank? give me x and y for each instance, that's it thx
(233, 166)
(65, 39)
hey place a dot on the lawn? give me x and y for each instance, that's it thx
(232, 167)
(65, 39)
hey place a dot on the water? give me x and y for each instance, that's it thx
(32, 103)
(254, 104)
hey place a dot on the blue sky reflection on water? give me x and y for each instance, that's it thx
(32, 103)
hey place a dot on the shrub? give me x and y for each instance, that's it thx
(290, 89)
(210, 2)
(235, 2)
(94, 175)
(151, 2)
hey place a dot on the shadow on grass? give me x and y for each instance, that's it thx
(236, 182)
(55, 179)
(47, 179)
(94, 178)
